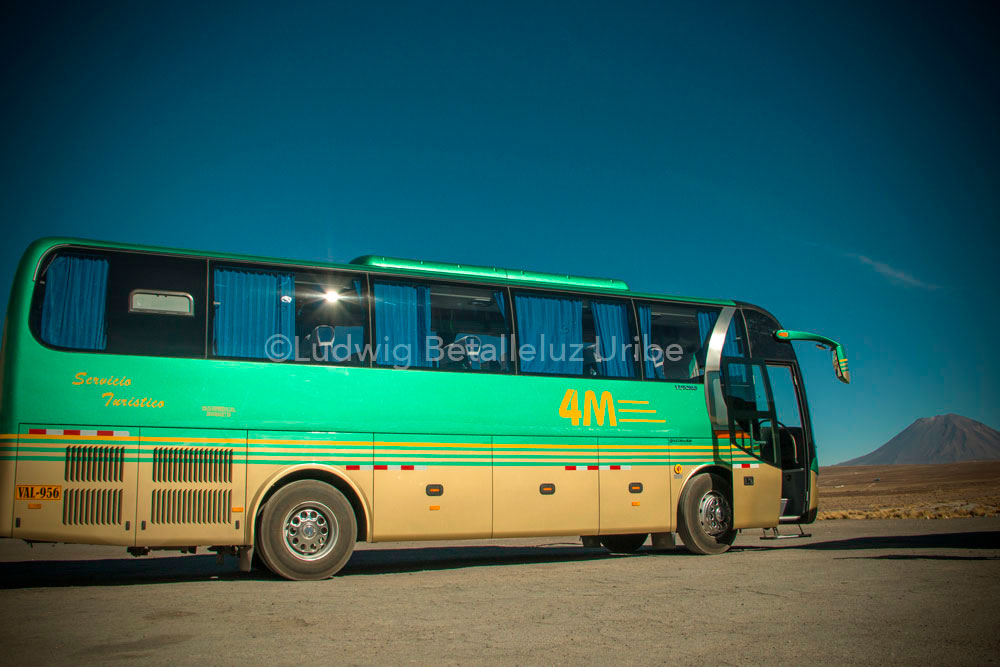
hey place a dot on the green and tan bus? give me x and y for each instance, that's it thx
(165, 399)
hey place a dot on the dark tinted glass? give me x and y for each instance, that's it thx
(444, 326)
(142, 330)
(763, 344)
(278, 314)
(677, 340)
(568, 334)
(331, 318)
(160, 334)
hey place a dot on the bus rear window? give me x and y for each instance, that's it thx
(122, 303)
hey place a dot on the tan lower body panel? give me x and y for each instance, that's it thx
(192, 487)
(520, 509)
(813, 490)
(636, 500)
(405, 511)
(6, 500)
(95, 469)
(756, 496)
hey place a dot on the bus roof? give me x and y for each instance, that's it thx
(491, 273)
(393, 266)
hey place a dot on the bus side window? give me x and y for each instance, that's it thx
(565, 334)
(675, 340)
(445, 326)
(280, 315)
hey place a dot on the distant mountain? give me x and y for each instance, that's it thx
(941, 439)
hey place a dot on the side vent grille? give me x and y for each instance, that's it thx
(92, 507)
(94, 464)
(172, 464)
(191, 506)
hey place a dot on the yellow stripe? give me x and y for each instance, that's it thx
(324, 443)
(507, 445)
(705, 447)
(651, 412)
(634, 402)
(645, 421)
(226, 441)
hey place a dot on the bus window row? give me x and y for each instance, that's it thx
(161, 305)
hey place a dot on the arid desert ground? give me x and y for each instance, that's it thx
(879, 591)
(910, 491)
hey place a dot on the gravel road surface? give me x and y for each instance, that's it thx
(888, 592)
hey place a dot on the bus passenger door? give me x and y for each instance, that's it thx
(545, 486)
(794, 448)
(753, 443)
(192, 487)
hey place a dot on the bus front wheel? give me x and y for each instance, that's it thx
(705, 519)
(307, 531)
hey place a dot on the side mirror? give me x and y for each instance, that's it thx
(839, 356)
(840, 365)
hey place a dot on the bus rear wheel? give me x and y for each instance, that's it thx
(705, 519)
(307, 531)
(623, 544)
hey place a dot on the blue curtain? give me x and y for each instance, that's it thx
(501, 303)
(653, 372)
(553, 327)
(357, 286)
(75, 295)
(611, 323)
(402, 324)
(252, 308)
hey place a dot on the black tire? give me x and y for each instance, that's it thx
(623, 544)
(705, 515)
(259, 560)
(307, 531)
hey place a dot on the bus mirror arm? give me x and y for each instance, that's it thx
(840, 367)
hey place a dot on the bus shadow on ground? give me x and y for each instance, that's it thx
(418, 559)
(180, 569)
(117, 572)
(365, 561)
(971, 540)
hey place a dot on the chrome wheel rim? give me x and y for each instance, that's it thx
(310, 530)
(715, 513)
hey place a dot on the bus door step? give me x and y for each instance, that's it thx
(775, 535)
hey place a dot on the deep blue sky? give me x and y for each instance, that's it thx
(836, 163)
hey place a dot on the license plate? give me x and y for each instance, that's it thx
(39, 492)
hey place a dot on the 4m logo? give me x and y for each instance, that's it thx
(629, 411)
(593, 410)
